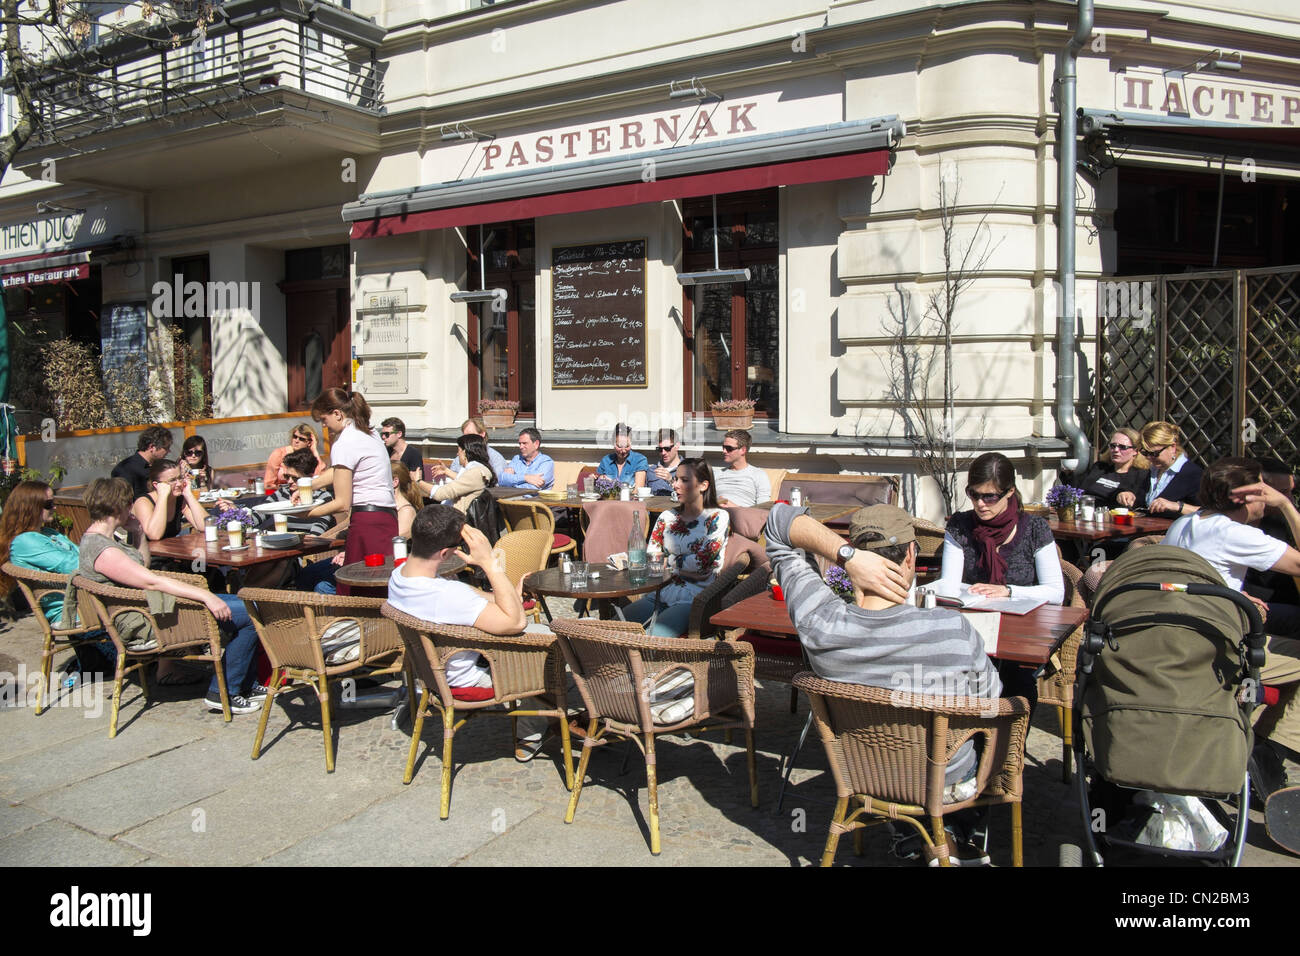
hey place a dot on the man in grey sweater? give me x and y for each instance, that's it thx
(880, 640)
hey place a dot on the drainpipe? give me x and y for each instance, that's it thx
(1066, 158)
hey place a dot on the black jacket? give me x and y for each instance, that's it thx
(1183, 487)
(1104, 484)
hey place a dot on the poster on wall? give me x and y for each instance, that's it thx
(598, 315)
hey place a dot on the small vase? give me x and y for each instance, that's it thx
(1065, 513)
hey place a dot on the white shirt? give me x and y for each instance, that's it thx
(367, 458)
(746, 486)
(443, 602)
(1232, 548)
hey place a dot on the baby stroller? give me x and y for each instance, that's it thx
(1166, 685)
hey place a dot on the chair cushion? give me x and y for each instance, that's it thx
(561, 541)
(773, 646)
(529, 604)
(473, 693)
(673, 698)
(341, 642)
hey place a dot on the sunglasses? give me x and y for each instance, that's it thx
(1155, 451)
(1114, 447)
(385, 434)
(49, 503)
(731, 448)
(299, 438)
(194, 453)
(665, 449)
(986, 497)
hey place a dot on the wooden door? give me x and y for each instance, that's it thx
(318, 342)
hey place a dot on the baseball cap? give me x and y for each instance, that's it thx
(892, 523)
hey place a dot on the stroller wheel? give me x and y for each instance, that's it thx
(1071, 855)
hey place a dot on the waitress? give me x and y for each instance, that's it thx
(361, 475)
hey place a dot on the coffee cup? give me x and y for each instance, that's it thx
(236, 531)
(281, 523)
(304, 491)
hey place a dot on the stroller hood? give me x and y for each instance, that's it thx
(1161, 712)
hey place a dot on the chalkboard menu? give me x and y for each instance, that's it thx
(598, 315)
(124, 333)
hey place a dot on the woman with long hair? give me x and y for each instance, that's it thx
(408, 498)
(995, 547)
(361, 475)
(1119, 475)
(27, 542)
(301, 437)
(1175, 482)
(693, 541)
(194, 459)
(474, 476)
(159, 512)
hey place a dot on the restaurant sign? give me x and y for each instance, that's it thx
(1195, 96)
(44, 276)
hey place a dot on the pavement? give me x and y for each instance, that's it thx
(177, 787)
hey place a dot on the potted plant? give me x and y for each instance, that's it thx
(497, 412)
(1064, 498)
(732, 413)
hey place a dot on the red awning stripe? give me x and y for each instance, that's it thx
(823, 169)
(63, 257)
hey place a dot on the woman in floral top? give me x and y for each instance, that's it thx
(693, 540)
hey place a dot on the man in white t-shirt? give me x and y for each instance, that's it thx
(1232, 494)
(737, 482)
(416, 589)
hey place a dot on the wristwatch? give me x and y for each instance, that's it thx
(844, 554)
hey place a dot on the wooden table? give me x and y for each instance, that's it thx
(610, 585)
(822, 512)
(1082, 534)
(358, 575)
(188, 547)
(1026, 639)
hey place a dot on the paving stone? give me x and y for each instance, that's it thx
(55, 843)
(14, 818)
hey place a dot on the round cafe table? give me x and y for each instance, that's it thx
(610, 585)
(358, 575)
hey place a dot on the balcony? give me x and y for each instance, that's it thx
(272, 81)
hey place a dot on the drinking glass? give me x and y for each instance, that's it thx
(579, 581)
(571, 491)
(589, 485)
(1088, 507)
(656, 565)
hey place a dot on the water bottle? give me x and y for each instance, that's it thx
(636, 556)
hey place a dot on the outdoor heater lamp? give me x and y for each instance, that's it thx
(716, 275)
(478, 295)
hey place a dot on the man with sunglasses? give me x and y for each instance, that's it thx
(660, 477)
(738, 483)
(393, 432)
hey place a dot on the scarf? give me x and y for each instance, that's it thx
(992, 534)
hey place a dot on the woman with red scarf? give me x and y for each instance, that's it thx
(996, 548)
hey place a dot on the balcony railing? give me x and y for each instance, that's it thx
(254, 47)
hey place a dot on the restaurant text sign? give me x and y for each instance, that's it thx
(1195, 96)
(40, 235)
(43, 276)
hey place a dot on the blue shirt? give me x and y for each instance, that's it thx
(541, 465)
(658, 485)
(494, 456)
(635, 462)
(46, 551)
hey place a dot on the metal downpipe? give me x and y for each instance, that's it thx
(1067, 156)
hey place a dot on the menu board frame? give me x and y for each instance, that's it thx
(642, 315)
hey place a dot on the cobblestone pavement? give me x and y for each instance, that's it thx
(177, 787)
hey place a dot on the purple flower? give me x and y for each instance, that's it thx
(838, 581)
(1063, 496)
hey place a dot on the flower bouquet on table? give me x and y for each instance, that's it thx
(606, 486)
(1064, 498)
(248, 519)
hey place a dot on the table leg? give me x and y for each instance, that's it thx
(789, 764)
(545, 610)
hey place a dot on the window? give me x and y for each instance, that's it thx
(733, 331)
(191, 345)
(502, 333)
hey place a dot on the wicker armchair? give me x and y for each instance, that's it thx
(526, 552)
(523, 514)
(1056, 686)
(189, 633)
(710, 601)
(888, 751)
(522, 666)
(36, 585)
(290, 625)
(612, 660)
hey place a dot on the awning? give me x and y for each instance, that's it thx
(42, 269)
(822, 154)
(1268, 145)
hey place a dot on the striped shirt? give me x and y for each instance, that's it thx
(903, 648)
(301, 524)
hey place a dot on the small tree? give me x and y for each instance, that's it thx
(919, 367)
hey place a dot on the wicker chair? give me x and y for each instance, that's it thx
(36, 585)
(290, 625)
(1056, 686)
(76, 510)
(189, 633)
(522, 666)
(710, 601)
(521, 514)
(888, 751)
(610, 660)
(929, 543)
(526, 552)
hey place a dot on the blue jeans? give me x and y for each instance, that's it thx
(238, 657)
(673, 620)
(317, 576)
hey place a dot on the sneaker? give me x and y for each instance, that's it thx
(238, 705)
(961, 853)
(1267, 771)
(258, 693)
(526, 748)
